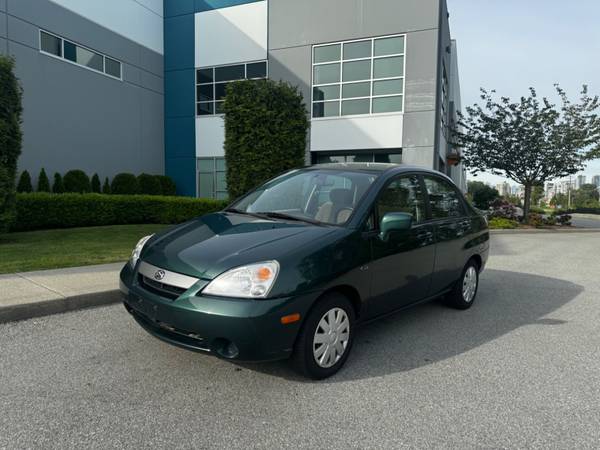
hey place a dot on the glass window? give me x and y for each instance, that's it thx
(83, 56)
(355, 50)
(353, 70)
(212, 182)
(50, 44)
(230, 73)
(327, 73)
(351, 107)
(327, 53)
(387, 87)
(389, 46)
(387, 104)
(211, 84)
(388, 67)
(256, 70)
(356, 70)
(444, 199)
(403, 195)
(326, 92)
(205, 185)
(356, 90)
(326, 109)
(112, 67)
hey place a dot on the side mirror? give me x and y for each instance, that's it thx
(394, 221)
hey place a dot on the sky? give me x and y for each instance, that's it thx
(509, 45)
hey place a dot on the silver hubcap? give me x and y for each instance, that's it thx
(469, 284)
(331, 337)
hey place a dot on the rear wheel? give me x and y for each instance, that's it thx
(465, 290)
(326, 338)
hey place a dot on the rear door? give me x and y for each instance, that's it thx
(452, 225)
(401, 266)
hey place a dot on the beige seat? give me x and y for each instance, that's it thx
(338, 208)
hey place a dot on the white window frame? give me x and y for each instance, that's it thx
(214, 84)
(341, 83)
(62, 57)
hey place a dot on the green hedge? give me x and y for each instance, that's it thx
(42, 210)
(581, 210)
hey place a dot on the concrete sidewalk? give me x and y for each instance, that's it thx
(33, 294)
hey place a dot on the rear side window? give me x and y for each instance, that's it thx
(403, 195)
(444, 199)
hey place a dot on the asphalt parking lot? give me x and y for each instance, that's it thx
(519, 369)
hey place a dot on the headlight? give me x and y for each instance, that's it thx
(135, 254)
(251, 281)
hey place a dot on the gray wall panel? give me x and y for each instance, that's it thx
(54, 18)
(421, 66)
(295, 23)
(2, 5)
(152, 82)
(23, 32)
(3, 46)
(76, 118)
(2, 25)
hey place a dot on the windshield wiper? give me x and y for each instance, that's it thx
(279, 215)
(246, 213)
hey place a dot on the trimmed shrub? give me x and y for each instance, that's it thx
(43, 182)
(535, 220)
(95, 183)
(43, 211)
(125, 184)
(564, 220)
(10, 139)
(149, 184)
(106, 186)
(503, 209)
(58, 186)
(77, 181)
(499, 223)
(265, 132)
(167, 186)
(24, 184)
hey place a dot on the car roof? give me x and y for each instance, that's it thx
(372, 167)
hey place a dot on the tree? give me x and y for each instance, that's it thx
(529, 141)
(124, 183)
(167, 185)
(559, 200)
(265, 132)
(58, 186)
(106, 186)
(149, 184)
(482, 194)
(43, 182)
(77, 181)
(95, 183)
(24, 184)
(10, 139)
(537, 193)
(586, 196)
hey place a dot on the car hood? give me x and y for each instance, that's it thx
(212, 244)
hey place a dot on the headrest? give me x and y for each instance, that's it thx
(341, 196)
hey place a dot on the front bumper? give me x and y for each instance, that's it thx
(212, 324)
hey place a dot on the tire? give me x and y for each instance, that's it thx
(464, 292)
(332, 307)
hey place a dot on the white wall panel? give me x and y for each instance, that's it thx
(355, 133)
(231, 35)
(138, 20)
(210, 136)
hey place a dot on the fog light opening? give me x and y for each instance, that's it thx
(226, 349)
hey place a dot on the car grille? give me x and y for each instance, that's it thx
(158, 288)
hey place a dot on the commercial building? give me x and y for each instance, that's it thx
(103, 94)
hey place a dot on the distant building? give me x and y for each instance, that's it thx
(504, 189)
(596, 181)
(579, 181)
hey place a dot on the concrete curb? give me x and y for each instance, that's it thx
(545, 231)
(13, 313)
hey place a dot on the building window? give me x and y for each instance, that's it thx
(358, 77)
(211, 84)
(53, 45)
(445, 103)
(211, 178)
(368, 157)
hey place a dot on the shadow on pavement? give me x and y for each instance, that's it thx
(432, 332)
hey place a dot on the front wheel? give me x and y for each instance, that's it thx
(465, 290)
(326, 338)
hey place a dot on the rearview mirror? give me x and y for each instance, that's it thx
(394, 221)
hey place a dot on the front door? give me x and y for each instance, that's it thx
(402, 264)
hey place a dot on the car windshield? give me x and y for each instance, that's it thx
(315, 196)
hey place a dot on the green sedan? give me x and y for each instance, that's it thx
(291, 269)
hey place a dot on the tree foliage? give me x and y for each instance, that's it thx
(265, 132)
(482, 194)
(124, 183)
(531, 140)
(106, 186)
(95, 183)
(149, 184)
(77, 181)
(24, 184)
(43, 184)
(58, 186)
(10, 139)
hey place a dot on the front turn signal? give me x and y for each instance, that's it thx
(285, 320)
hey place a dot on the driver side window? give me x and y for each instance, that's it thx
(403, 195)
